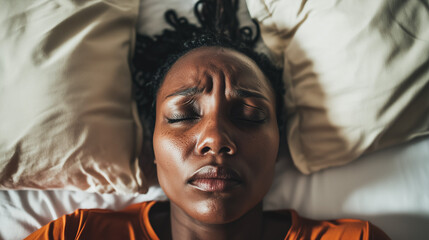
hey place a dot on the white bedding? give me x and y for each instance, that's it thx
(24, 211)
(389, 188)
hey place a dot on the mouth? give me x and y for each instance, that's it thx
(215, 179)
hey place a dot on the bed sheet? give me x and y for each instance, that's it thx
(24, 211)
(389, 188)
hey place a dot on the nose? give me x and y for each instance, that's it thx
(215, 139)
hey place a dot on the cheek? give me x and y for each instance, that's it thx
(170, 152)
(262, 151)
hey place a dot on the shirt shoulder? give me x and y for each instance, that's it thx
(304, 228)
(96, 224)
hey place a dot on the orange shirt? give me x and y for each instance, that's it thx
(133, 223)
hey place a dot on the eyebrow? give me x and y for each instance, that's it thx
(186, 92)
(236, 92)
(248, 94)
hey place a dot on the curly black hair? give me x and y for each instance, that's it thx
(219, 27)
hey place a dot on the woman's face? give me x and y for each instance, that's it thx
(216, 136)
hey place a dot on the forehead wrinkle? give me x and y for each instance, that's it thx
(191, 91)
(184, 89)
(249, 66)
(232, 73)
(241, 89)
(214, 76)
(235, 72)
(229, 74)
(205, 79)
(225, 74)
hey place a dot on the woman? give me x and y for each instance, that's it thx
(216, 111)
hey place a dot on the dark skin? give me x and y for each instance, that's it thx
(216, 140)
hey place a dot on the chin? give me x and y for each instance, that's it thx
(217, 211)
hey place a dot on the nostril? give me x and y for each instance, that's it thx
(225, 150)
(205, 150)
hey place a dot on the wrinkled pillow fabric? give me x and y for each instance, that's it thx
(356, 74)
(65, 96)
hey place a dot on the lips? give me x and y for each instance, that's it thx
(215, 179)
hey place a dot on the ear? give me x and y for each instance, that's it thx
(154, 161)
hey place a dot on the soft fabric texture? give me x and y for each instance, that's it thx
(152, 20)
(134, 223)
(65, 96)
(356, 74)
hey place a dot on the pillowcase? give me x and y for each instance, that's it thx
(65, 96)
(356, 74)
(152, 22)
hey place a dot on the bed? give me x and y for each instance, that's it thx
(357, 84)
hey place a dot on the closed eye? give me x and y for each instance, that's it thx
(249, 113)
(175, 118)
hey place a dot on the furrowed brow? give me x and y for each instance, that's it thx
(248, 94)
(186, 92)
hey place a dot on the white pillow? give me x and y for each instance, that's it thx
(65, 96)
(385, 187)
(152, 21)
(356, 74)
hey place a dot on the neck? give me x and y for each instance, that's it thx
(249, 226)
